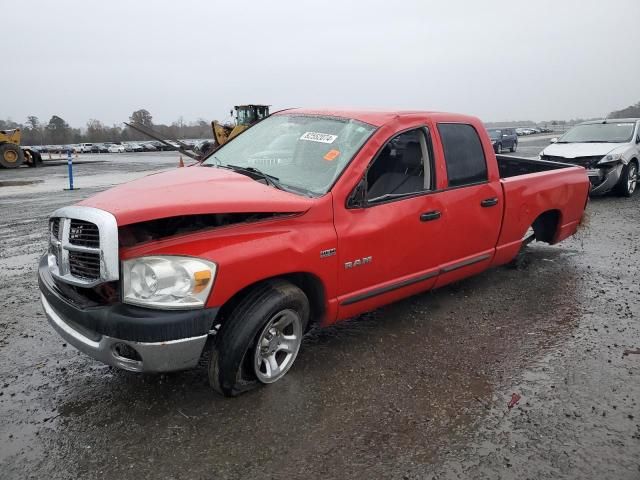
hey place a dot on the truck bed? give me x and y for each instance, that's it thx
(515, 166)
(533, 187)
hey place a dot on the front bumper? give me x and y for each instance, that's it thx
(603, 180)
(132, 338)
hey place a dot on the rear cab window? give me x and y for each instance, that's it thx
(463, 154)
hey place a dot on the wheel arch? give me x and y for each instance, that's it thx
(546, 226)
(309, 283)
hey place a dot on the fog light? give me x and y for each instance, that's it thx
(127, 352)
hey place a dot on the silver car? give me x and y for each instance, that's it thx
(609, 149)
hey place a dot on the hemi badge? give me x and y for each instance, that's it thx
(327, 253)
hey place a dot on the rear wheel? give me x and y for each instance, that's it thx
(259, 341)
(514, 146)
(629, 179)
(520, 260)
(11, 155)
(32, 158)
(499, 148)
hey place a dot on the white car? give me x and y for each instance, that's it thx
(609, 149)
(85, 147)
(116, 148)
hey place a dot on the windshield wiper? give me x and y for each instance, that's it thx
(270, 179)
(216, 162)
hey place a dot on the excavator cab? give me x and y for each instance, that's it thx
(245, 116)
(249, 114)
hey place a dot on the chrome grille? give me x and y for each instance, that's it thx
(54, 228)
(83, 233)
(84, 265)
(83, 246)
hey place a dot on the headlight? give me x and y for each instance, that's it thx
(616, 157)
(167, 282)
(493, 142)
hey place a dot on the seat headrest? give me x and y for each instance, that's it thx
(412, 155)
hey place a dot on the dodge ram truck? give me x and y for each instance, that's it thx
(307, 218)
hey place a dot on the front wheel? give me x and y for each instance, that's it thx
(629, 179)
(259, 341)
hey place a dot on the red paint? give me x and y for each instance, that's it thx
(401, 246)
(515, 398)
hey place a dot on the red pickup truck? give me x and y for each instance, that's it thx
(307, 218)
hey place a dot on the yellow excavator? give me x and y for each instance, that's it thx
(245, 116)
(12, 155)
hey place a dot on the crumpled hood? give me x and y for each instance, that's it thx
(191, 191)
(573, 150)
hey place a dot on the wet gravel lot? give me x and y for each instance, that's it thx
(419, 389)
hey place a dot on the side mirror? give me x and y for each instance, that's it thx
(357, 199)
(553, 140)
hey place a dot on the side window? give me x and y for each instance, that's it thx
(402, 167)
(463, 154)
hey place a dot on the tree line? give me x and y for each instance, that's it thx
(58, 132)
(632, 111)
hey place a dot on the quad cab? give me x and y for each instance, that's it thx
(308, 218)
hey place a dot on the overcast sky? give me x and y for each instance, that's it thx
(499, 60)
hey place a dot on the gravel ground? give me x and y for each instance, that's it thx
(419, 389)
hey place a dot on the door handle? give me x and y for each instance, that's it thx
(489, 202)
(428, 216)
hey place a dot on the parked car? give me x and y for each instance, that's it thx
(85, 147)
(100, 148)
(161, 147)
(148, 147)
(237, 262)
(609, 150)
(116, 148)
(503, 138)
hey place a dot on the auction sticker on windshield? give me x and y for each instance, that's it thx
(318, 137)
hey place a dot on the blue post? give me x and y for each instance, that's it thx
(70, 167)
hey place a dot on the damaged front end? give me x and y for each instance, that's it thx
(158, 229)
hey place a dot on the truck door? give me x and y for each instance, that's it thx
(473, 204)
(388, 245)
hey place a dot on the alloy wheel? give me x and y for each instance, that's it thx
(632, 178)
(277, 346)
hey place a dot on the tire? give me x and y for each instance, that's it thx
(514, 147)
(237, 363)
(11, 155)
(498, 148)
(628, 180)
(35, 159)
(520, 261)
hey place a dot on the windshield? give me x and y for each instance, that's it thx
(305, 153)
(599, 133)
(494, 133)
